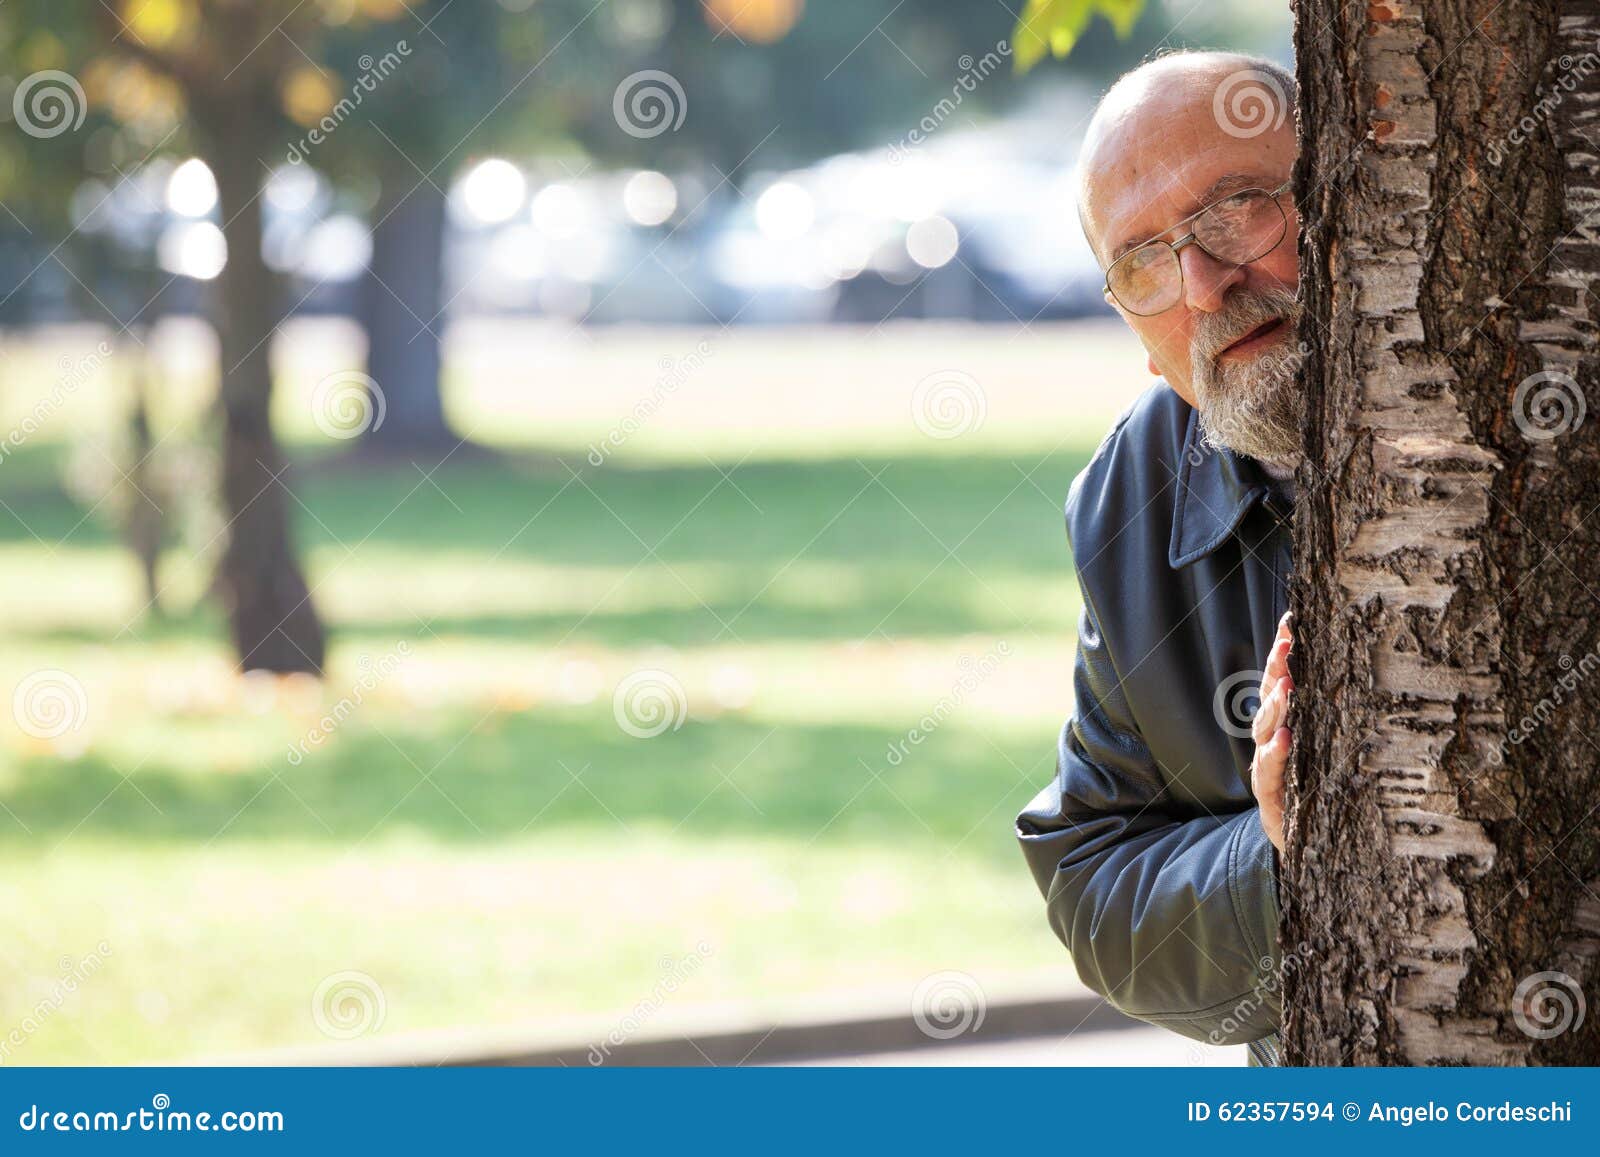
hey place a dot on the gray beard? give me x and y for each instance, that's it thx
(1256, 408)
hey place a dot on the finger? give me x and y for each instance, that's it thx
(1269, 717)
(1274, 712)
(1266, 773)
(1266, 780)
(1278, 658)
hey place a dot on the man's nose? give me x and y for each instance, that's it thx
(1206, 281)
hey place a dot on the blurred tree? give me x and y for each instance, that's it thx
(423, 88)
(207, 75)
(227, 60)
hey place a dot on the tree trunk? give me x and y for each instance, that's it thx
(1441, 888)
(274, 625)
(145, 524)
(401, 304)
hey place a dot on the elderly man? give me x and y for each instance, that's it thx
(1156, 844)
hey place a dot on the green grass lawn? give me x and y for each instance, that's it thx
(480, 836)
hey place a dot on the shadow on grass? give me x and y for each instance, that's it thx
(850, 510)
(923, 541)
(517, 776)
(945, 601)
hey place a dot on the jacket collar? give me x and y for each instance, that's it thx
(1216, 489)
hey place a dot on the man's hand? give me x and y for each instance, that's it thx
(1271, 736)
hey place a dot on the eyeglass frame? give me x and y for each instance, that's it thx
(1189, 238)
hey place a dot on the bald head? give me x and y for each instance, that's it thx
(1162, 125)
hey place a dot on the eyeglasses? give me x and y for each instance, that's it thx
(1239, 229)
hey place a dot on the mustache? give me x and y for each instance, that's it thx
(1244, 311)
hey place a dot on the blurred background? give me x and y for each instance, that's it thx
(534, 525)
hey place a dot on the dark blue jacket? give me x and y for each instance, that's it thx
(1148, 846)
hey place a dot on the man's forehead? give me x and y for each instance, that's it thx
(1135, 209)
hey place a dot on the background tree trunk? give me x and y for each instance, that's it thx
(274, 625)
(401, 307)
(1442, 883)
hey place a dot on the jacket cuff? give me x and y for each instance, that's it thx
(1253, 886)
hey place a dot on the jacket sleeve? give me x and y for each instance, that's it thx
(1169, 913)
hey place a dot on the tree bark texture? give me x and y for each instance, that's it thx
(1441, 887)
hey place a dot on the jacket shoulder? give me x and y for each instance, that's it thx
(1131, 480)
